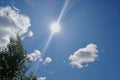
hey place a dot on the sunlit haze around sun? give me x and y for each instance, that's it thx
(55, 27)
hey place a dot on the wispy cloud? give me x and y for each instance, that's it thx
(12, 22)
(83, 56)
(47, 61)
(41, 78)
(36, 61)
(30, 34)
(36, 55)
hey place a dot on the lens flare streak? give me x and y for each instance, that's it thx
(36, 64)
(47, 44)
(59, 18)
(63, 10)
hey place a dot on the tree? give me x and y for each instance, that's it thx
(13, 62)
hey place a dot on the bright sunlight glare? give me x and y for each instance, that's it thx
(55, 27)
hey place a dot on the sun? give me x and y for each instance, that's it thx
(55, 27)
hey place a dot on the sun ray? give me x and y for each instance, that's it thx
(47, 44)
(55, 27)
(63, 10)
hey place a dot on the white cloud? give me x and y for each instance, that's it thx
(12, 22)
(30, 33)
(47, 61)
(41, 78)
(36, 55)
(84, 56)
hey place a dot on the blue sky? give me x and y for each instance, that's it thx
(83, 22)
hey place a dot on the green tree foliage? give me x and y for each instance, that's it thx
(12, 62)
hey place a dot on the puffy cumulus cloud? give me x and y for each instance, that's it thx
(47, 61)
(41, 78)
(30, 34)
(84, 56)
(36, 55)
(12, 22)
